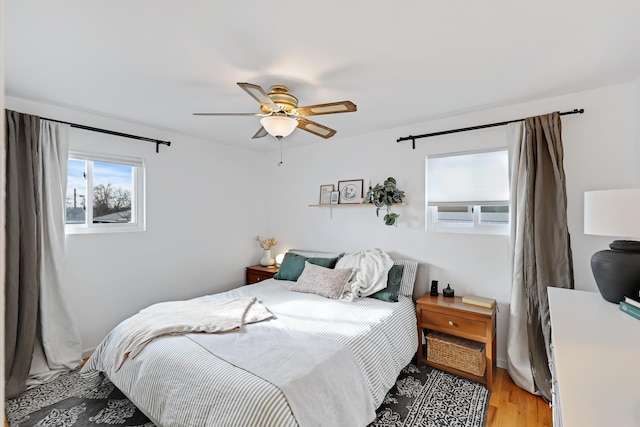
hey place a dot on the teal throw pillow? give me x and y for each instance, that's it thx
(291, 267)
(323, 262)
(394, 278)
(293, 264)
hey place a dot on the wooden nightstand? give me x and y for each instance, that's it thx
(257, 273)
(451, 316)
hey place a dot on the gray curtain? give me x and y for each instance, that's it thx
(41, 339)
(541, 248)
(22, 284)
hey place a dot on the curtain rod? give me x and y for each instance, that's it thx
(490, 125)
(111, 132)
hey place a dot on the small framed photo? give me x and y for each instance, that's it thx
(335, 197)
(351, 191)
(325, 194)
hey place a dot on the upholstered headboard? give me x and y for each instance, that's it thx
(315, 254)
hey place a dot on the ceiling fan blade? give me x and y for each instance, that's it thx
(330, 108)
(315, 128)
(259, 95)
(261, 132)
(230, 114)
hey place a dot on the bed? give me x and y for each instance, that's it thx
(318, 361)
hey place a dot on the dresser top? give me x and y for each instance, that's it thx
(597, 359)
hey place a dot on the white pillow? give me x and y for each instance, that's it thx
(408, 277)
(370, 271)
(326, 282)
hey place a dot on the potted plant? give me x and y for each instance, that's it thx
(384, 196)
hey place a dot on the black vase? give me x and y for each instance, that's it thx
(617, 271)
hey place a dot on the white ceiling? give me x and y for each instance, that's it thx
(157, 61)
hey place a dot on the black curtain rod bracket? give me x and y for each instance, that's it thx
(413, 138)
(111, 132)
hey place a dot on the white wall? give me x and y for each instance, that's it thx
(202, 202)
(601, 151)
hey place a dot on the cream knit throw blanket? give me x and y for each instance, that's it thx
(183, 317)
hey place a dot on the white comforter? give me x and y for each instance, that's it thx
(177, 382)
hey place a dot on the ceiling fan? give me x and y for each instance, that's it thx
(281, 114)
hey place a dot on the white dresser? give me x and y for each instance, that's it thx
(595, 362)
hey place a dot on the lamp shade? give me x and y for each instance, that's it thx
(278, 126)
(613, 213)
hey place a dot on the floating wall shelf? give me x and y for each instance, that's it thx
(350, 205)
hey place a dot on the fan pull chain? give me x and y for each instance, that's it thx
(280, 139)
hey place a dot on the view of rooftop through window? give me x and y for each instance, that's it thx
(110, 191)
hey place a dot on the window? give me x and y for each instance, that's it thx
(105, 193)
(468, 192)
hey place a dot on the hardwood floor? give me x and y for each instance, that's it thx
(510, 406)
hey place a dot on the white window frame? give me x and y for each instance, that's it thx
(137, 222)
(477, 226)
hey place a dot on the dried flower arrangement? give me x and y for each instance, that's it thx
(266, 243)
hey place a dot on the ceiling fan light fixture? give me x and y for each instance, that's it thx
(278, 126)
(281, 114)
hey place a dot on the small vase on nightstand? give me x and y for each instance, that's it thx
(267, 259)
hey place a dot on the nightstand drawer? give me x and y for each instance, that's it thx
(253, 277)
(452, 324)
(258, 273)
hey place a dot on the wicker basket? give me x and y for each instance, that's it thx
(455, 352)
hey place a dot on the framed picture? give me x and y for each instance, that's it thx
(325, 194)
(335, 197)
(351, 191)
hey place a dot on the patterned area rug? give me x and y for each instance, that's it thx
(428, 397)
(422, 397)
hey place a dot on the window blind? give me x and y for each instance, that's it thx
(468, 178)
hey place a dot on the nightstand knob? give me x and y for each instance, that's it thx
(450, 322)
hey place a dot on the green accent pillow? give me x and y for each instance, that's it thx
(293, 264)
(394, 278)
(323, 262)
